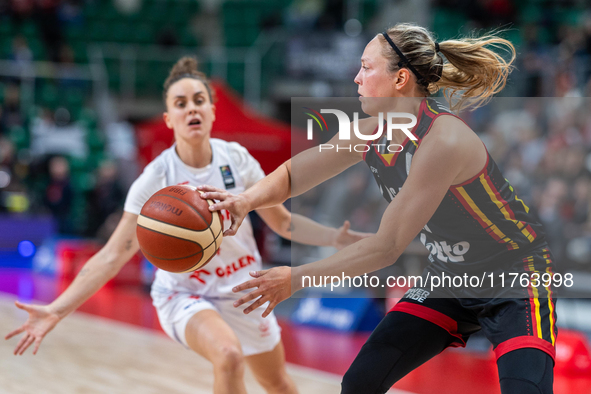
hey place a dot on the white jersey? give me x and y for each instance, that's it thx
(232, 168)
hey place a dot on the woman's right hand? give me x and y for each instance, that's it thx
(235, 204)
(40, 322)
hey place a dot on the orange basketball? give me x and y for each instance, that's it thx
(176, 230)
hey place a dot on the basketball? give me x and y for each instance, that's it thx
(176, 231)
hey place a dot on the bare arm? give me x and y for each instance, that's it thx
(306, 231)
(294, 177)
(446, 157)
(101, 267)
(449, 155)
(97, 271)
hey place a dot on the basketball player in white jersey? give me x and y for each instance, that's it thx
(195, 309)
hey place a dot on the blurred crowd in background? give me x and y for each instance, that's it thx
(543, 146)
(66, 150)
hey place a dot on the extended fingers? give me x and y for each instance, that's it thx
(26, 345)
(21, 343)
(220, 195)
(14, 332)
(248, 297)
(269, 309)
(247, 285)
(218, 206)
(37, 344)
(258, 274)
(25, 307)
(209, 188)
(255, 305)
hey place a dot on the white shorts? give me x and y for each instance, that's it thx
(255, 333)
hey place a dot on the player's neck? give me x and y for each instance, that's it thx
(409, 105)
(195, 156)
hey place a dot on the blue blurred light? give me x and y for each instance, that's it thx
(26, 248)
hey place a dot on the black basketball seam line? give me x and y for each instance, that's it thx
(165, 259)
(185, 239)
(193, 268)
(211, 224)
(221, 226)
(162, 221)
(220, 233)
(198, 213)
(199, 265)
(215, 238)
(214, 241)
(177, 258)
(203, 248)
(189, 205)
(169, 235)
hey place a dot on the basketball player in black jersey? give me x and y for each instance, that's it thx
(453, 196)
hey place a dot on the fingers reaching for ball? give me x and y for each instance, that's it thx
(213, 193)
(237, 205)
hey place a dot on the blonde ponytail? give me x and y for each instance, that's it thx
(471, 72)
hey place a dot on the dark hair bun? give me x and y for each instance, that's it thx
(187, 67)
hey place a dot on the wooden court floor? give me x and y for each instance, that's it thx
(87, 354)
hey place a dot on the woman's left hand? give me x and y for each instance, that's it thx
(345, 236)
(273, 285)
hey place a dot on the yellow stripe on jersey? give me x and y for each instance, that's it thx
(388, 157)
(524, 206)
(530, 263)
(431, 109)
(519, 199)
(520, 225)
(550, 304)
(499, 234)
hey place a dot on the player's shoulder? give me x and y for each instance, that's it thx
(443, 117)
(231, 146)
(159, 166)
(238, 154)
(448, 124)
(450, 133)
(226, 146)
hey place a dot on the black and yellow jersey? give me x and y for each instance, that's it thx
(479, 222)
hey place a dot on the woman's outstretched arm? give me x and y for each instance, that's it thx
(97, 271)
(447, 156)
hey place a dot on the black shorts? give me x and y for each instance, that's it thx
(511, 323)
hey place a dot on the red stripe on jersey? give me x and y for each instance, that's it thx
(531, 231)
(483, 171)
(467, 206)
(532, 305)
(551, 305)
(498, 197)
(435, 116)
